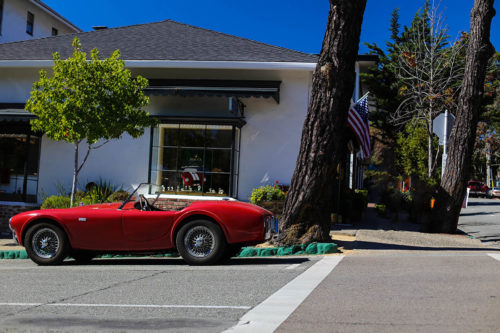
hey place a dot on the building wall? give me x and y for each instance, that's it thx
(14, 22)
(269, 141)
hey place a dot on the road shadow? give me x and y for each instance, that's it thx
(484, 203)
(366, 245)
(476, 213)
(179, 262)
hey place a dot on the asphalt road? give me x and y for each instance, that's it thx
(405, 292)
(481, 219)
(137, 294)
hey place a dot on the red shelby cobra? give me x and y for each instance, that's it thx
(202, 233)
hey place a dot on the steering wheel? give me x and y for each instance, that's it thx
(143, 202)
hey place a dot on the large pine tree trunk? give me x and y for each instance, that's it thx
(306, 215)
(453, 187)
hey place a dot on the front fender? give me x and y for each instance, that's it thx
(34, 218)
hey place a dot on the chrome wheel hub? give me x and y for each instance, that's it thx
(45, 243)
(199, 241)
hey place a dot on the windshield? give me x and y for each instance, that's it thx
(149, 191)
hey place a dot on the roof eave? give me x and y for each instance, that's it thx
(295, 66)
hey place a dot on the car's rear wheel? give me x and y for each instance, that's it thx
(46, 244)
(200, 242)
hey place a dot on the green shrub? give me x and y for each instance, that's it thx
(381, 210)
(267, 193)
(119, 195)
(99, 192)
(55, 201)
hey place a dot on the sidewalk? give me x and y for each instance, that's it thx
(377, 234)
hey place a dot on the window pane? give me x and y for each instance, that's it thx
(218, 160)
(217, 184)
(219, 136)
(191, 158)
(170, 136)
(191, 136)
(169, 159)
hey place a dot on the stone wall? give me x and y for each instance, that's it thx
(6, 212)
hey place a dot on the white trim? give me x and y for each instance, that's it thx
(221, 64)
(270, 314)
(292, 66)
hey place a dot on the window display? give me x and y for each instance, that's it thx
(195, 159)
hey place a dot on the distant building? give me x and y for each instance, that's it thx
(30, 19)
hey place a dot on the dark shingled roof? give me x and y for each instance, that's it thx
(165, 40)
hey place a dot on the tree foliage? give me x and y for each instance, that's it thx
(88, 100)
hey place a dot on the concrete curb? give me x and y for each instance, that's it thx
(246, 252)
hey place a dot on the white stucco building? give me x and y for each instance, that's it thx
(30, 19)
(231, 112)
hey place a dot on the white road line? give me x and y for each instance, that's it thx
(292, 266)
(161, 306)
(495, 256)
(270, 314)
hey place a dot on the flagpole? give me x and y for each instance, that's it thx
(364, 96)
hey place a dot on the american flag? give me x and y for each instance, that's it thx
(358, 122)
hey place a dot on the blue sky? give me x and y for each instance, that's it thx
(295, 24)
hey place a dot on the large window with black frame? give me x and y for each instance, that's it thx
(196, 159)
(19, 156)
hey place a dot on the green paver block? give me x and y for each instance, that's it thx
(313, 248)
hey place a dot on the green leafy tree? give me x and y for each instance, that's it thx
(88, 100)
(412, 153)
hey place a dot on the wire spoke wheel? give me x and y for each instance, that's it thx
(199, 241)
(45, 243)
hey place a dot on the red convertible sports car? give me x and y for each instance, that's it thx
(202, 233)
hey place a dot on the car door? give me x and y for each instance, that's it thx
(147, 230)
(95, 229)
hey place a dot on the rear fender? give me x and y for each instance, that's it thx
(193, 215)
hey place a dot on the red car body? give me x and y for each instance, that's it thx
(105, 228)
(477, 188)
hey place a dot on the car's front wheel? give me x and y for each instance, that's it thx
(46, 244)
(200, 242)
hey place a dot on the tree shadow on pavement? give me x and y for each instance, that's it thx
(367, 245)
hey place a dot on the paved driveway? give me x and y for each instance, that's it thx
(481, 219)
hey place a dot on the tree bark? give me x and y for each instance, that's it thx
(453, 185)
(306, 214)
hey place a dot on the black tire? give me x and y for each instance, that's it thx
(200, 242)
(46, 244)
(82, 257)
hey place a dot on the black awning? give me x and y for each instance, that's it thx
(220, 88)
(14, 113)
